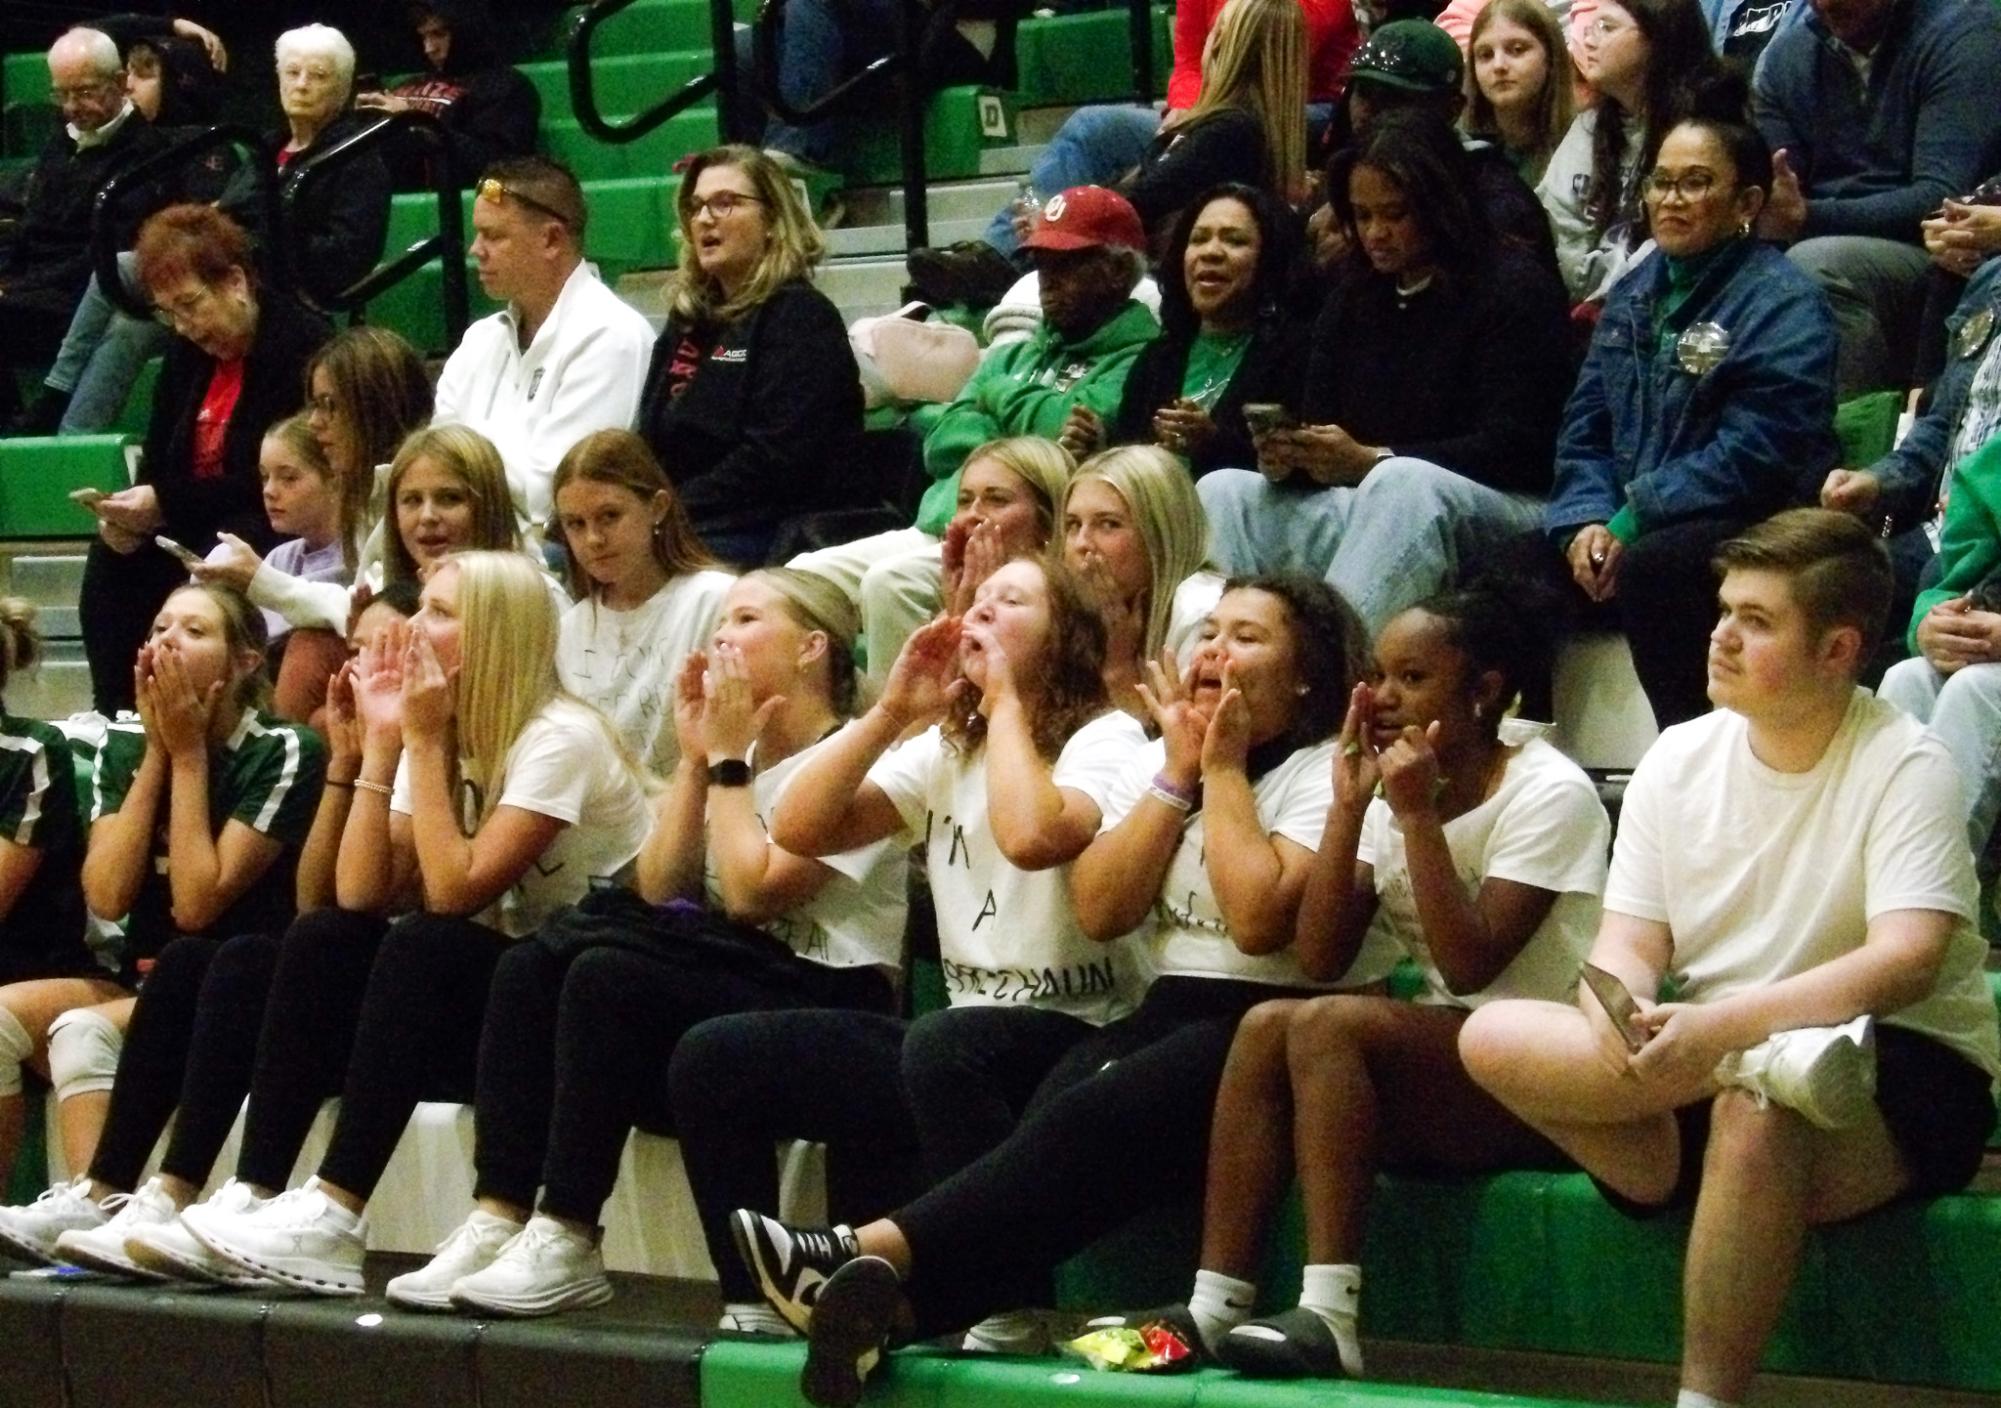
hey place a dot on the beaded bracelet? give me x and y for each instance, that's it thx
(1182, 799)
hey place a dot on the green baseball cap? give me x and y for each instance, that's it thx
(1415, 55)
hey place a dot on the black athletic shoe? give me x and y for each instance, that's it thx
(1294, 1344)
(1178, 1318)
(860, 1307)
(791, 1264)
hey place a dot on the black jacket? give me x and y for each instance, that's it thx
(1227, 145)
(769, 418)
(273, 375)
(49, 257)
(341, 229)
(1271, 371)
(489, 111)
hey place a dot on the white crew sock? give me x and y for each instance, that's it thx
(1689, 1398)
(755, 1318)
(1218, 1303)
(1334, 1293)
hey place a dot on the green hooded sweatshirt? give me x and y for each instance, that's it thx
(1969, 545)
(1028, 388)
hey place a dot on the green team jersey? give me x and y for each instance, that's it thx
(267, 775)
(41, 935)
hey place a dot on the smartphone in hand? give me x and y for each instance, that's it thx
(1617, 1000)
(187, 555)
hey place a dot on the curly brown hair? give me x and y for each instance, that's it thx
(1071, 670)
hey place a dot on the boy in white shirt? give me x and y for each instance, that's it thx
(1795, 860)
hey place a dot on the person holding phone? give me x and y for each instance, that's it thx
(1797, 860)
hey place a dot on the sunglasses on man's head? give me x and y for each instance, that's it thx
(494, 189)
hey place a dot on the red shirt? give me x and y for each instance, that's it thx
(1332, 36)
(212, 422)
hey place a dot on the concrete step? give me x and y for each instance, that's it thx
(53, 581)
(54, 689)
(1009, 161)
(864, 285)
(946, 200)
(889, 238)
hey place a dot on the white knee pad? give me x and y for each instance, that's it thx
(15, 1047)
(83, 1052)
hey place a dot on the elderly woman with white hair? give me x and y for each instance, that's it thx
(342, 228)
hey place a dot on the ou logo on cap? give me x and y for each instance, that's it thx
(1054, 210)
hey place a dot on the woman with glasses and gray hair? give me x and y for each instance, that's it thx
(753, 394)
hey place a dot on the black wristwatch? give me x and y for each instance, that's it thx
(730, 772)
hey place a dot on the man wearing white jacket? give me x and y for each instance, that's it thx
(565, 357)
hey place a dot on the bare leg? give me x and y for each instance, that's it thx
(1766, 1177)
(35, 1005)
(1250, 1143)
(1541, 1060)
(885, 1239)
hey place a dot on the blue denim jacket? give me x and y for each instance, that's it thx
(1747, 437)
(1911, 473)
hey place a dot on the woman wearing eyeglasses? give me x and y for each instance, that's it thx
(232, 371)
(753, 401)
(1705, 404)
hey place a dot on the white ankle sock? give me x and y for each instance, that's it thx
(1689, 1398)
(754, 1318)
(1219, 1302)
(1334, 1293)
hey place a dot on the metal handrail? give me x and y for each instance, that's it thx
(720, 80)
(107, 243)
(447, 246)
(901, 63)
(1139, 33)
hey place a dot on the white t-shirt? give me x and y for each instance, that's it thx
(1009, 937)
(1762, 874)
(1187, 936)
(560, 766)
(625, 663)
(1544, 826)
(856, 918)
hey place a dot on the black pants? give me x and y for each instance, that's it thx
(121, 594)
(1124, 1127)
(33, 323)
(741, 1084)
(307, 1036)
(417, 1039)
(563, 1080)
(1666, 604)
(971, 1073)
(191, 1045)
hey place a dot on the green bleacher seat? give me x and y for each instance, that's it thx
(623, 83)
(1085, 58)
(737, 1374)
(36, 477)
(652, 155)
(648, 27)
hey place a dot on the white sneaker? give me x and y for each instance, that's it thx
(172, 1249)
(546, 1268)
(472, 1247)
(1010, 1332)
(1826, 1075)
(301, 1239)
(102, 1248)
(30, 1231)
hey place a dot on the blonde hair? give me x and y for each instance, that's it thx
(1043, 465)
(1160, 495)
(1555, 106)
(816, 604)
(295, 433)
(507, 666)
(792, 246)
(625, 461)
(1255, 59)
(470, 457)
(20, 639)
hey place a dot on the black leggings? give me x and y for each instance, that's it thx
(741, 1084)
(971, 1073)
(191, 1044)
(1122, 1126)
(1666, 604)
(576, 1048)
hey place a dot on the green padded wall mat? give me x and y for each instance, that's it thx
(740, 1374)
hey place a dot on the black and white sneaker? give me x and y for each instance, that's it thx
(860, 1307)
(791, 1264)
(1293, 1344)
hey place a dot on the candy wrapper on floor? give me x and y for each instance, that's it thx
(1150, 1349)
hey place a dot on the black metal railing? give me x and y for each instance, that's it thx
(109, 232)
(1139, 33)
(720, 79)
(447, 246)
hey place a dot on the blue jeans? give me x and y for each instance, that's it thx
(1963, 711)
(102, 356)
(822, 43)
(1400, 535)
(1094, 147)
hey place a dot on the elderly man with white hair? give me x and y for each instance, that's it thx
(44, 267)
(341, 229)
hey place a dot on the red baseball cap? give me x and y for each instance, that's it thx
(1087, 217)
